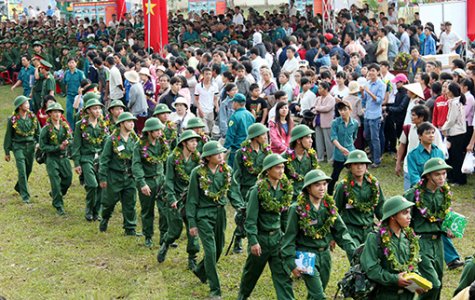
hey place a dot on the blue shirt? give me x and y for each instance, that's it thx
(416, 160)
(373, 107)
(73, 81)
(224, 115)
(27, 77)
(345, 135)
(238, 124)
(429, 46)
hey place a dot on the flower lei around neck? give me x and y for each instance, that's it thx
(364, 206)
(53, 136)
(148, 156)
(292, 156)
(179, 159)
(268, 202)
(30, 115)
(87, 136)
(205, 182)
(305, 222)
(115, 138)
(172, 131)
(433, 216)
(246, 156)
(414, 257)
(204, 137)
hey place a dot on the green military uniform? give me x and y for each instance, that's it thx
(21, 137)
(57, 161)
(376, 265)
(468, 275)
(147, 167)
(110, 121)
(325, 230)
(195, 123)
(86, 150)
(263, 228)
(205, 210)
(176, 189)
(359, 220)
(115, 168)
(432, 249)
(247, 165)
(170, 128)
(37, 101)
(298, 167)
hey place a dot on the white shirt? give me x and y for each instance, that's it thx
(307, 100)
(336, 92)
(256, 67)
(238, 19)
(448, 42)
(206, 96)
(113, 24)
(291, 65)
(115, 80)
(392, 95)
(182, 121)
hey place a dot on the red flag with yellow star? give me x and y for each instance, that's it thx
(156, 24)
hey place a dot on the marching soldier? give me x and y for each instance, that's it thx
(149, 157)
(55, 138)
(197, 125)
(116, 107)
(23, 130)
(162, 112)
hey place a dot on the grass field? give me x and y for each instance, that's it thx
(44, 256)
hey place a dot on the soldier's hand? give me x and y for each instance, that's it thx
(103, 184)
(78, 170)
(401, 282)
(174, 205)
(297, 272)
(194, 231)
(256, 250)
(7, 158)
(332, 245)
(146, 190)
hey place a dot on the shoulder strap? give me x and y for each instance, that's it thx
(406, 128)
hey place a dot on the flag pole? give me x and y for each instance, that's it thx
(149, 27)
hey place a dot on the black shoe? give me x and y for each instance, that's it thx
(203, 280)
(131, 232)
(103, 225)
(455, 264)
(89, 218)
(148, 242)
(174, 245)
(60, 211)
(191, 263)
(162, 253)
(237, 246)
(97, 218)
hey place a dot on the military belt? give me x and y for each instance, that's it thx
(429, 236)
(272, 232)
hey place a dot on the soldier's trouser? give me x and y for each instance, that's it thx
(390, 293)
(24, 156)
(147, 205)
(211, 223)
(60, 177)
(91, 184)
(317, 283)
(239, 231)
(359, 233)
(162, 215)
(270, 246)
(120, 187)
(431, 266)
(176, 218)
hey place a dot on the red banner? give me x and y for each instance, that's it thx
(121, 9)
(156, 24)
(470, 19)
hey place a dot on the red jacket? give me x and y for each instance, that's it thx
(279, 140)
(441, 109)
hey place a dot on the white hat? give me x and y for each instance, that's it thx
(132, 76)
(145, 71)
(180, 100)
(354, 87)
(161, 68)
(362, 81)
(460, 72)
(416, 89)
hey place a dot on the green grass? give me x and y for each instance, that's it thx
(43, 256)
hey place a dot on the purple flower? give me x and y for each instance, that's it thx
(299, 207)
(304, 214)
(382, 230)
(84, 134)
(244, 157)
(243, 149)
(347, 194)
(386, 251)
(333, 211)
(177, 162)
(423, 210)
(417, 192)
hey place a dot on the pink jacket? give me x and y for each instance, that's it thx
(326, 108)
(279, 140)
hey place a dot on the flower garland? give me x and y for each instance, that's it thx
(306, 223)
(205, 182)
(34, 126)
(414, 257)
(296, 176)
(180, 163)
(366, 206)
(248, 161)
(173, 133)
(270, 203)
(204, 137)
(433, 216)
(87, 136)
(154, 159)
(53, 136)
(115, 138)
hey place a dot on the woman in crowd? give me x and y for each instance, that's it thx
(280, 128)
(325, 110)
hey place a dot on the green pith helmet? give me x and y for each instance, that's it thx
(186, 135)
(435, 164)
(394, 205)
(315, 176)
(195, 123)
(90, 95)
(152, 124)
(272, 160)
(125, 116)
(19, 101)
(116, 103)
(92, 102)
(240, 98)
(256, 130)
(299, 132)
(212, 148)
(160, 109)
(357, 157)
(54, 106)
